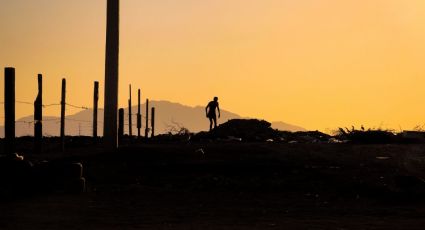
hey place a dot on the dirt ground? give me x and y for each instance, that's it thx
(231, 186)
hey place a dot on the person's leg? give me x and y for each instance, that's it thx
(211, 122)
(215, 122)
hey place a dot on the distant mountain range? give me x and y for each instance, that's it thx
(169, 116)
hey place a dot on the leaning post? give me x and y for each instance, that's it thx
(38, 117)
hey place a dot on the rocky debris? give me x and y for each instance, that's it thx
(253, 130)
(246, 130)
(18, 176)
(60, 176)
(15, 172)
(409, 182)
(412, 136)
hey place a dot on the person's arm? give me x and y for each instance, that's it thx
(206, 110)
(218, 108)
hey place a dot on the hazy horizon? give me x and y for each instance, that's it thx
(320, 64)
(168, 115)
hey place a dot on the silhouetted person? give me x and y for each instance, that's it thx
(210, 111)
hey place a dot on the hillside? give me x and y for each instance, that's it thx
(169, 115)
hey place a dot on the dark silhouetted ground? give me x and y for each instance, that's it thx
(230, 185)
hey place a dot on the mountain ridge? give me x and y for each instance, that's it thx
(169, 116)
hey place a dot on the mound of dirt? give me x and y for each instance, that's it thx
(242, 130)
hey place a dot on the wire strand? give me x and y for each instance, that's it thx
(76, 106)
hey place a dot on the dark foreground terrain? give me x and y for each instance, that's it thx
(215, 185)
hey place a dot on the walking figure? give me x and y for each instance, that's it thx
(210, 111)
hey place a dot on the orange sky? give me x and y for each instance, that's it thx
(319, 64)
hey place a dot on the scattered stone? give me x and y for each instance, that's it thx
(201, 151)
(383, 158)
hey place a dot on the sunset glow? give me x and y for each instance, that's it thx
(319, 64)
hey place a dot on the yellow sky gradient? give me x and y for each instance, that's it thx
(320, 64)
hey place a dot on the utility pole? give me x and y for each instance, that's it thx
(111, 76)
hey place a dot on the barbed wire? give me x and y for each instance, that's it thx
(71, 119)
(33, 121)
(133, 114)
(53, 119)
(126, 116)
(24, 102)
(77, 107)
(132, 125)
(81, 129)
(58, 104)
(26, 122)
(49, 105)
(58, 119)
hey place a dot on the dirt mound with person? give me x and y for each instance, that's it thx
(241, 130)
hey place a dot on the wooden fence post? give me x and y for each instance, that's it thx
(38, 117)
(130, 123)
(139, 115)
(120, 124)
(95, 107)
(63, 103)
(9, 109)
(153, 122)
(147, 119)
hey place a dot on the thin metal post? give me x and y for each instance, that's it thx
(63, 103)
(147, 119)
(95, 108)
(130, 125)
(153, 122)
(139, 115)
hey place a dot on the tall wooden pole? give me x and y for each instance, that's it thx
(130, 125)
(38, 117)
(63, 103)
(111, 76)
(95, 107)
(153, 122)
(120, 123)
(147, 119)
(9, 109)
(139, 115)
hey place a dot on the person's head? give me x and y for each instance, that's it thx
(215, 98)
